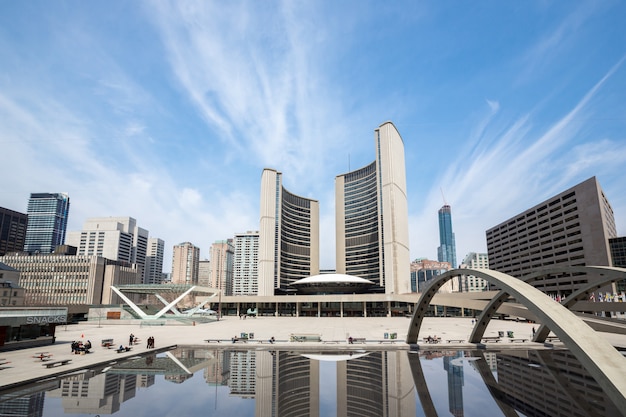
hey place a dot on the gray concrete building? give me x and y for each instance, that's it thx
(70, 280)
(572, 228)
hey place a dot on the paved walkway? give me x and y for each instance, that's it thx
(22, 367)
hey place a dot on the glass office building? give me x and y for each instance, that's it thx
(447, 249)
(47, 221)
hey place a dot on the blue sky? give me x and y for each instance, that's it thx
(169, 111)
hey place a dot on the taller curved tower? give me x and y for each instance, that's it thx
(372, 217)
(288, 235)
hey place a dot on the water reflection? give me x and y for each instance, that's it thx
(343, 383)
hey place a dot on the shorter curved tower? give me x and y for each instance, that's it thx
(288, 235)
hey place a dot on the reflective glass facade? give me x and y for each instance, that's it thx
(447, 249)
(47, 222)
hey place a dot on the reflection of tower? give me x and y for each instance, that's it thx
(360, 386)
(455, 383)
(242, 378)
(266, 394)
(99, 394)
(26, 406)
(298, 380)
(145, 381)
(551, 383)
(378, 384)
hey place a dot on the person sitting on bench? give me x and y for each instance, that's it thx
(123, 349)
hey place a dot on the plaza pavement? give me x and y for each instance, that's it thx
(23, 368)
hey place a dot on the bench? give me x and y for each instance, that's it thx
(305, 338)
(56, 363)
(519, 340)
(358, 340)
(455, 340)
(216, 340)
(432, 340)
(107, 343)
(552, 339)
(390, 341)
(495, 339)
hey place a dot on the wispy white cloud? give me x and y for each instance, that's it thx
(510, 172)
(254, 73)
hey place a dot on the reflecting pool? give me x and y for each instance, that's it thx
(222, 382)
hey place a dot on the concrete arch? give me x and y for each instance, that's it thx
(607, 273)
(602, 360)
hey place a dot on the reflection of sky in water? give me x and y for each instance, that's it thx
(328, 388)
(196, 397)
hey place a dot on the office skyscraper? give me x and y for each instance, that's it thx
(447, 249)
(372, 217)
(115, 238)
(47, 221)
(12, 231)
(288, 235)
(185, 264)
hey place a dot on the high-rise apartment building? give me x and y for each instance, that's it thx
(372, 229)
(47, 221)
(222, 258)
(204, 273)
(185, 262)
(115, 238)
(288, 235)
(471, 283)
(572, 228)
(153, 273)
(245, 271)
(446, 252)
(12, 231)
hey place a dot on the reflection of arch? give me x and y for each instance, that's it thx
(553, 369)
(492, 385)
(606, 273)
(419, 381)
(602, 361)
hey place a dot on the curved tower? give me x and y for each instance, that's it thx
(288, 235)
(372, 217)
